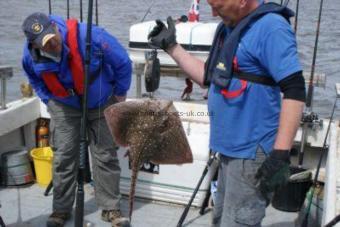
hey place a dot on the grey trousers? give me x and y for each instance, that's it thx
(238, 202)
(65, 138)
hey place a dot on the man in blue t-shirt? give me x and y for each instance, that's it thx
(253, 58)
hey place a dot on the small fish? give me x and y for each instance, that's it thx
(152, 131)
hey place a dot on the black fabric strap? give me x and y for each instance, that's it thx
(264, 80)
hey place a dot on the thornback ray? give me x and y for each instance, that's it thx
(152, 131)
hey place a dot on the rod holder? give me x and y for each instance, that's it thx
(6, 72)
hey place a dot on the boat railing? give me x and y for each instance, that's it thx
(6, 72)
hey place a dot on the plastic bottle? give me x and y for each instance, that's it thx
(42, 133)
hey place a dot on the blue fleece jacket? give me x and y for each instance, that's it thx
(108, 58)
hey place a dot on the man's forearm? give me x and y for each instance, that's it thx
(290, 117)
(191, 65)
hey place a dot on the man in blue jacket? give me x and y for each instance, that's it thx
(54, 64)
(253, 58)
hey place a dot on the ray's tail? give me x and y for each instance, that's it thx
(134, 174)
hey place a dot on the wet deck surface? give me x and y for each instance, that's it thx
(27, 206)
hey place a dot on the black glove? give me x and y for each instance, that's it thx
(161, 36)
(274, 171)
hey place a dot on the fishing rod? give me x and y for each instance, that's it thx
(148, 11)
(286, 3)
(49, 7)
(296, 15)
(81, 10)
(68, 9)
(310, 89)
(97, 19)
(333, 222)
(205, 171)
(323, 151)
(83, 129)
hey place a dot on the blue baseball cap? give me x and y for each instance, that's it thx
(38, 28)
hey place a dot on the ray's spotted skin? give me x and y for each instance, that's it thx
(152, 131)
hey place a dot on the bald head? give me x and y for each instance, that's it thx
(232, 11)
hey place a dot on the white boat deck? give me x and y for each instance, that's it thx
(26, 206)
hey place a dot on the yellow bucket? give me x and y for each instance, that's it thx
(42, 158)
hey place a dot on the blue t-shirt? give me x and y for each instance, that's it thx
(239, 125)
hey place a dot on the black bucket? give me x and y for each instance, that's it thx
(290, 197)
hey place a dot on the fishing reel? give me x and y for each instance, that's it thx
(312, 120)
(152, 71)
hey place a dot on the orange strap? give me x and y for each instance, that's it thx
(75, 63)
(236, 93)
(53, 85)
(233, 94)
